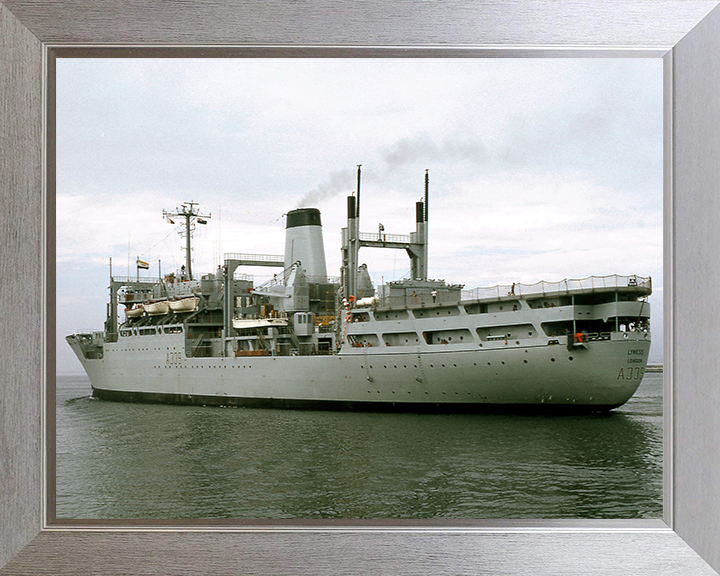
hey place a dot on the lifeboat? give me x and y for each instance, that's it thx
(184, 304)
(156, 308)
(134, 312)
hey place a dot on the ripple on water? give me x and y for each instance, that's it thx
(118, 460)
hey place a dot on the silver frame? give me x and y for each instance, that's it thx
(686, 33)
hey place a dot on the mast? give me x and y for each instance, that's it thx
(357, 214)
(190, 215)
(356, 239)
(426, 234)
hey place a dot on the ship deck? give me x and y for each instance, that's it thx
(638, 285)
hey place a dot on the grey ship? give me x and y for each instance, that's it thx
(304, 340)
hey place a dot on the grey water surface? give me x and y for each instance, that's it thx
(119, 460)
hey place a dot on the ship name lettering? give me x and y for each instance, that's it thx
(636, 352)
(634, 360)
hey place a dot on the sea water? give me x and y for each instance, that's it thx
(120, 460)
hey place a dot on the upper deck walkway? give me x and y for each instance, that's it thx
(423, 298)
(568, 286)
(273, 260)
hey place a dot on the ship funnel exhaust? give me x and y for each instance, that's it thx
(304, 241)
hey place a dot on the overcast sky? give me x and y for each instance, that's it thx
(540, 169)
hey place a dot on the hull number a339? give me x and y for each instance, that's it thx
(631, 373)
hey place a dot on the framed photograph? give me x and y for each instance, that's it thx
(680, 36)
(545, 179)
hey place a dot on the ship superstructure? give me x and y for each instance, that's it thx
(306, 340)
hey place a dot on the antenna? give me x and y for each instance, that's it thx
(357, 211)
(426, 239)
(427, 186)
(191, 216)
(219, 245)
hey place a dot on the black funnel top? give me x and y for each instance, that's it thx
(303, 217)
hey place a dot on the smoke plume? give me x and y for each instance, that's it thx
(338, 181)
(403, 152)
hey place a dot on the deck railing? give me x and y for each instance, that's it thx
(323, 279)
(382, 237)
(277, 259)
(136, 280)
(567, 286)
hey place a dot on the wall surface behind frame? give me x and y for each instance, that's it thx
(697, 285)
(474, 22)
(368, 23)
(20, 292)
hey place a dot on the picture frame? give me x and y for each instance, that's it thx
(686, 34)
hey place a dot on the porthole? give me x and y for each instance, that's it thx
(552, 359)
(570, 358)
(525, 361)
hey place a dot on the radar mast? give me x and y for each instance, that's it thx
(191, 216)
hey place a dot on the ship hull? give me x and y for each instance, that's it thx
(600, 376)
(349, 405)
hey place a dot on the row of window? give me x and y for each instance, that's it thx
(442, 337)
(395, 366)
(151, 330)
(439, 311)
